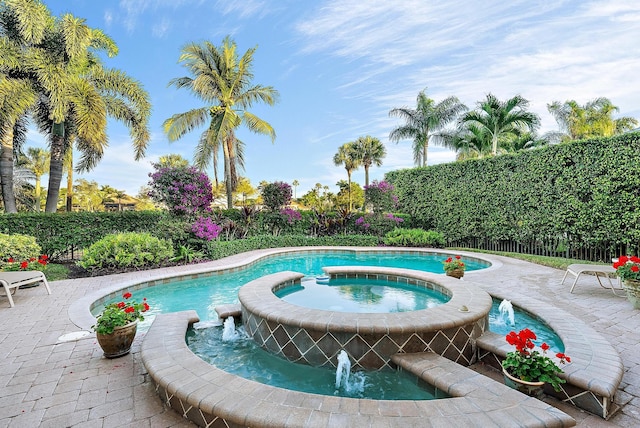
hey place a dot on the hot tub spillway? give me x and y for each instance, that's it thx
(316, 337)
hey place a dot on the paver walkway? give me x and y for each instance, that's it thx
(46, 382)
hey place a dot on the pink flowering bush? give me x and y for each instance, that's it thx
(379, 194)
(182, 190)
(205, 228)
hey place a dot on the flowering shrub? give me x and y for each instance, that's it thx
(182, 190)
(291, 215)
(628, 267)
(453, 263)
(380, 195)
(205, 228)
(361, 222)
(18, 247)
(120, 314)
(276, 195)
(31, 264)
(528, 364)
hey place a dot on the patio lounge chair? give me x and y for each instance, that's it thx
(12, 280)
(598, 270)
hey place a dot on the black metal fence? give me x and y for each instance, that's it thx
(552, 247)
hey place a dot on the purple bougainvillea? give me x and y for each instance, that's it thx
(182, 190)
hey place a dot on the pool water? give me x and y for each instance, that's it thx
(360, 295)
(204, 294)
(242, 357)
(544, 333)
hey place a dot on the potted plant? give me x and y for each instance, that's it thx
(116, 326)
(527, 369)
(628, 270)
(454, 266)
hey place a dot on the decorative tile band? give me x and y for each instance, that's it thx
(315, 337)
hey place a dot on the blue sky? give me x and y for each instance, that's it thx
(341, 65)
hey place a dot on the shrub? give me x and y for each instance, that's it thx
(182, 190)
(205, 228)
(276, 195)
(18, 247)
(414, 238)
(219, 249)
(127, 250)
(380, 195)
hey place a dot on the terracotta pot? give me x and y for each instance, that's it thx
(119, 342)
(532, 389)
(632, 287)
(456, 273)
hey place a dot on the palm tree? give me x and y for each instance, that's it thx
(370, 151)
(424, 123)
(36, 160)
(469, 141)
(593, 119)
(223, 81)
(502, 119)
(75, 92)
(348, 157)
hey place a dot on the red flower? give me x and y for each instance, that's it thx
(44, 257)
(11, 260)
(32, 259)
(449, 260)
(544, 346)
(458, 257)
(129, 309)
(24, 265)
(126, 295)
(121, 305)
(146, 307)
(635, 268)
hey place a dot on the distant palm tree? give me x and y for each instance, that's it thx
(295, 184)
(36, 160)
(370, 151)
(223, 81)
(348, 157)
(424, 123)
(75, 92)
(469, 141)
(593, 119)
(502, 119)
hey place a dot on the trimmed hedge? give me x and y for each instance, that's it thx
(586, 192)
(59, 233)
(219, 249)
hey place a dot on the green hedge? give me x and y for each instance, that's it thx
(219, 249)
(586, 192)
(59, 233)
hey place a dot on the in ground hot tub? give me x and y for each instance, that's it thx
(315, 337)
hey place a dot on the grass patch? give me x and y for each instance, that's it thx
(555, 262)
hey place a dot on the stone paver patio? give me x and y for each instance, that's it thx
(48, 382)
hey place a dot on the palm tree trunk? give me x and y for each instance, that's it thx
(349, 176)
(424, 153)
(6, 171)
(55, 170)
(69, 168)
(366, 175)
(227, 174)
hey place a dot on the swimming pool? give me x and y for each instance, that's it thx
(221, 287)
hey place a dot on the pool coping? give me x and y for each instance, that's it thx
(206, 395)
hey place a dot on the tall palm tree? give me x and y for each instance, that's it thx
(370, 151)
(36, 160)
(502, 119)
(75, 92)
(469, 141)
(295, 185)
(348, 157)
(593, 119)
(423, 123)
(224, 82)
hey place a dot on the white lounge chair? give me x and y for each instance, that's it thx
(12, 280)
(598, 270)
